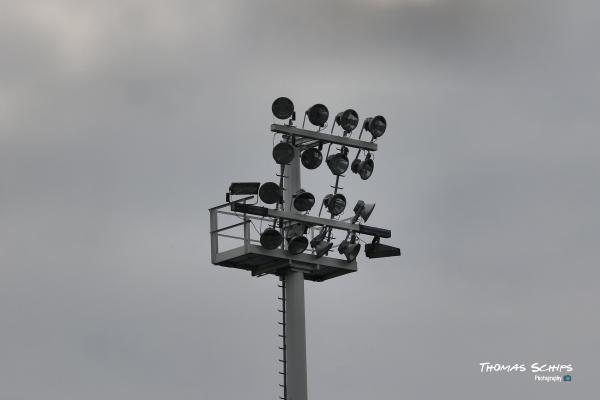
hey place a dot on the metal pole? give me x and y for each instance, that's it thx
(295, 324)
(295, 336)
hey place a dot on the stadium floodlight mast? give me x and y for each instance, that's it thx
(283, 247)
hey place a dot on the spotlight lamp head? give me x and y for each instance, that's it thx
(375, 125)
(348, 120)
(378, 250)
(335, 203)
(318, 115)
(320, 245)
(363, 168)
(349, 249)
(269, 193)
(320, 237)
(283, 153)
(311, 158)
(296, 240)
(338, 163)
(363, 210)
(303, 200)
(282, 108)
(271, 239)
(322, 248)
(297, 244)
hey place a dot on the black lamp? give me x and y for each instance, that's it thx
(271, 239)
(318, 115)
(348, 120)
(363, 168)
(378, 250)
(297, 242)
(321, 245)
(303, 200)
(311, 158)
(349, 249)
(338, 162)
(282, 108)
(375, 125)
(283, 153)
(269, 192)
(335, 203)
(363, 210)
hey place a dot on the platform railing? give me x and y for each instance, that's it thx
(217, 232)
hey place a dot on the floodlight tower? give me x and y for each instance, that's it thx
(283, 245)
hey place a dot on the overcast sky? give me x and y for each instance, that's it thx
(122, 122)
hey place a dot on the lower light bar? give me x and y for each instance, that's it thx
(378, 250)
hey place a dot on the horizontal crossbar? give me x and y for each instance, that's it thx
(323, 137)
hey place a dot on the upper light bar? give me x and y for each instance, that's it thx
(323, 137)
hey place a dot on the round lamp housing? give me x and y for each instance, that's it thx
(335, 203)
(269, 193)
(312, 158)
(348, 120)
(303, 200)
(271, 239)
(297, 244)
(365, 170)
(318, 115)
(282, 108)
(376, 125)
(283, 153)
(338, 163)
(349, 250)
(363, 210)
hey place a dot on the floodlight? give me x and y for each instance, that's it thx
(314, 241)
(320, 245)
(338, 162)
(363, 168)
(282, 108)
(375, 125)
(349, 249)
(335, 203)
(271, 239)
(348, 120)
(363, 210)
(269, 192)
(318, 114)
(244, 188)
(303, 200)
(297, 242)
(322, 248)
(283, 153)
(378, 250)
(312, 158)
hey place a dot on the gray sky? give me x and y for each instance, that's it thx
(121, 122)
